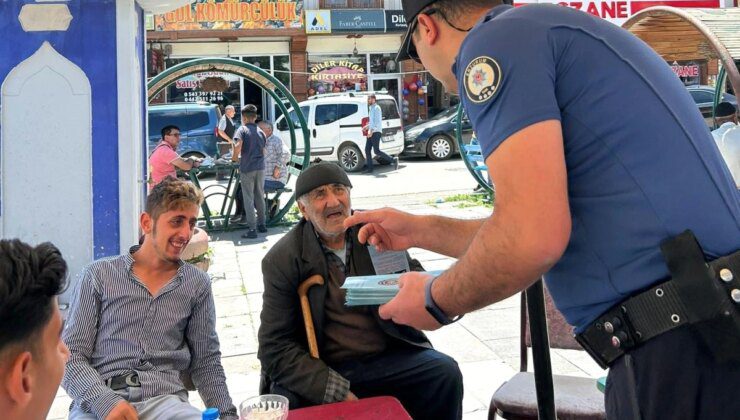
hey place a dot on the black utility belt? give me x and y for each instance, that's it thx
(706, 296)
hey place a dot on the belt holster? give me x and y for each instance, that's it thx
(704, 296)
(709, 292)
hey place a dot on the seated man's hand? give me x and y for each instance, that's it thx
(351, 397)
(196, 162)
(123, 411)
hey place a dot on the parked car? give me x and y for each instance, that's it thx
(435, 137)
(197, 122)
(335, 127)
(704, 98)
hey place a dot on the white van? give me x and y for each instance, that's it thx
(335, 127)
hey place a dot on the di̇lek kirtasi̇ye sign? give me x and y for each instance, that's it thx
(233, 14)
(336, 70)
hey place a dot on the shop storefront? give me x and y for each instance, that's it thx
(229, 89)
(353, 72)
(690, 72)
(355, 50)
(311, 52)
(618, 11)
(269, 35)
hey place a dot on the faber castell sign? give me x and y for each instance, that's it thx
(233, 14)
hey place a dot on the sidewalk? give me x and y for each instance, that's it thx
(485, 343)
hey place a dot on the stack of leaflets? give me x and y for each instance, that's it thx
(374, 290)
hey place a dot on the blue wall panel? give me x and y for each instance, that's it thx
(90, 43)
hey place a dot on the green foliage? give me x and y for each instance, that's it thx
(202, 257)
(292, 217)
(470, 200)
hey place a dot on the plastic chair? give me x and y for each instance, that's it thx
(574, 397)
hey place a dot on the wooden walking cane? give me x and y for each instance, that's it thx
(313, 347)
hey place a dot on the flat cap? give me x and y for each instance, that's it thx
(319, 174)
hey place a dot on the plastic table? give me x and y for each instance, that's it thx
(387, 408)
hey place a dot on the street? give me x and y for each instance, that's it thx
(417, 180)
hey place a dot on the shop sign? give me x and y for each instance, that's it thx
(395, 21)
(618, 11)
(334, 70)
(691, 70)
(357, 21)
(318, 21)
(199, 80)
(233, 14)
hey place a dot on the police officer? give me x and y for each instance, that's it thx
(600, 158)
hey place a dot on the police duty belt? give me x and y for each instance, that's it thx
(703, 295)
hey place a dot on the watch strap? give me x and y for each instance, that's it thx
(431, 306)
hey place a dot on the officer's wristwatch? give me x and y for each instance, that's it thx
(435, 310)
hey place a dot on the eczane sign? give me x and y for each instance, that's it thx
(618, 11)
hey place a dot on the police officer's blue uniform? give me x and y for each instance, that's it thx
(641, 166)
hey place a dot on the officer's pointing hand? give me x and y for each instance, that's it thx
(387, 229)
(407, 307)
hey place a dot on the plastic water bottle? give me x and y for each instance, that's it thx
(211, 414)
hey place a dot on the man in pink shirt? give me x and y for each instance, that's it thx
(164, 159)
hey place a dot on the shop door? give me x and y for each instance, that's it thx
(253, 94)
(387, 83)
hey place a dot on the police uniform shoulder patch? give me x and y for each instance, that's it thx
(482, 79)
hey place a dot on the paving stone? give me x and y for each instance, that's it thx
(255, 303)
(236, 335)
(492, 324)
(231, 306)
(483, 378)
(456, 340)
(582, 361)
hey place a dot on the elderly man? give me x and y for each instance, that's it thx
(32, 354)
(142, 319)
(226, 126)
(277, 156)
(360, 354)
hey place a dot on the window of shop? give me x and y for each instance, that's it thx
(336, 73)
(276, 65)
(281, 69)
(383, 63)
(690, 72)
(190, 88)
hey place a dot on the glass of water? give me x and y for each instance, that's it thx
(264, 407)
